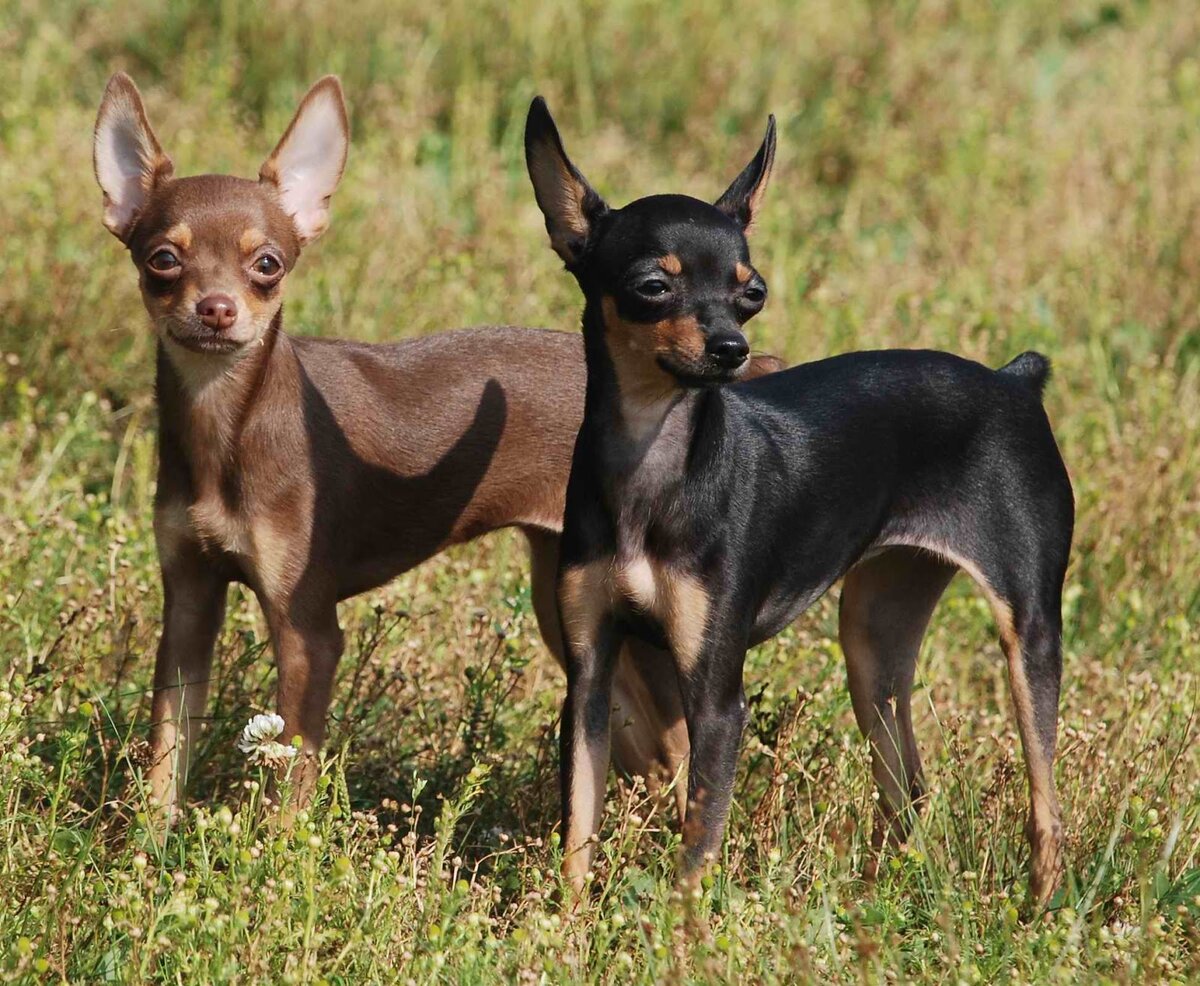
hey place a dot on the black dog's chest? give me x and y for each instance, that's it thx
(636, 622)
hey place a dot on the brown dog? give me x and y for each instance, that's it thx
(313, 470)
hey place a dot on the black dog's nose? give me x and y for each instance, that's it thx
(729, 351)
(217, 311)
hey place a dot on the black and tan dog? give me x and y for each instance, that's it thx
(708, 517)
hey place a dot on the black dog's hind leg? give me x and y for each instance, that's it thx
(1024, 589)
(1031, 633)
(886, 604)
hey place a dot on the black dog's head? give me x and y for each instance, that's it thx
(670, 274)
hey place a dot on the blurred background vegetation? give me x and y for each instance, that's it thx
(978, 177)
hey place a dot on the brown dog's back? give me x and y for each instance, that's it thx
(437, 440)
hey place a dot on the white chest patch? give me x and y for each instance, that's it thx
(637, 582)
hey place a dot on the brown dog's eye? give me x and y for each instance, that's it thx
(266, 269)
(163, 263)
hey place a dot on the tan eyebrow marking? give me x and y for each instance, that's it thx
(251, 239)
(181, 235)
(742, 272)
(670, 263)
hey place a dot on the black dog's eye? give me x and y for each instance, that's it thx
(755, 294)
(266, 269)
(652, 288)
(163, 262)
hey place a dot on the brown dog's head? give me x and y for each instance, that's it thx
(212, 251)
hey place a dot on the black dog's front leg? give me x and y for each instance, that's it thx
(715, 706)
(592, 644)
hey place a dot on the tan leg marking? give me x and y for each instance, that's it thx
(588, 775)
(584, 596)
(584, 600)
(1044, 828)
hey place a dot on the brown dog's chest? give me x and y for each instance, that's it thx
(262, 541)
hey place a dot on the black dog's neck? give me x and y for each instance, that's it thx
(629, 399)
(645, 434)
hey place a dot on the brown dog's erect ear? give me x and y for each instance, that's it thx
(126, 155)
(762, 365)
(570, 205)
(743, 198)
(307, 163)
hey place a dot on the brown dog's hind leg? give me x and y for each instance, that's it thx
(886, 604)
(650, 733)
(543, 581)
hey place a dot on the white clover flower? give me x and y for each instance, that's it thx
(258, 741)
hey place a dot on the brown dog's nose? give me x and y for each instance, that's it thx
(217, 311)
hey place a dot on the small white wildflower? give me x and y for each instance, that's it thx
(258, 742)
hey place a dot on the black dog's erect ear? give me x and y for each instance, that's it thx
(743, 198)
(570, 205)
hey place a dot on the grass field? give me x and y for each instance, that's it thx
(984, 178)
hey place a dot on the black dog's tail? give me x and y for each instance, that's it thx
(1032, 369)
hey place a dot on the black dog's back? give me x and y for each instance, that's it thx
(905, 410)
(896, 447)
(898, 376)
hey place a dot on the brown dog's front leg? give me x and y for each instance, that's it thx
(308, 644)
(193, 607)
